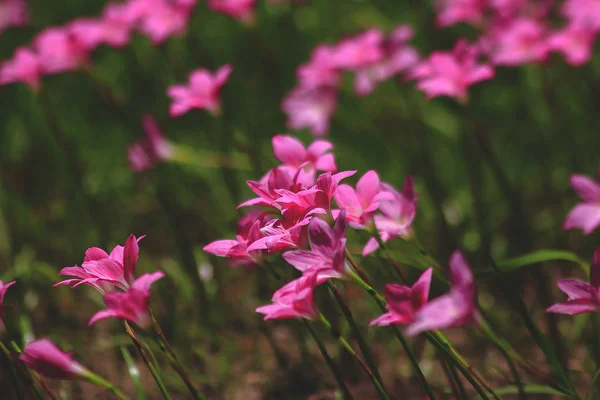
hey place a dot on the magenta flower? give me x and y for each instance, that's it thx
(583, 297)
(326, 258)
(586, 215)
(103, 271)
(292, 153)
(267, 188)
(294, 300)
(403, 301)
(150, 151)
(451, 73)
(582, 12)
(13, 13)
(398, 57)
(3, 308)
(398, 211)
(23, 67)
(203, 91)
(48, 360)
(453, 309)
(241, 10)
(521, 41)
(112, 28)
(161, 19)
(59, 51)
(575, 42)
(322, 69)
(450, 12)
(360, 51)
(361, 204)
(310, 108)
(132, 305)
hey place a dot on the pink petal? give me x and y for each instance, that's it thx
(576, 289)
(574, 307)
(370, 246)
(460, 272)
(386, 319)
(420, 290)
(289, 150)
(303, 259)
(587, 188)
(584, 216)
(220, 247)
(367, 187)
(94, 254)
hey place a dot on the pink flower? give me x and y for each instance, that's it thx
(48, 360)
(294, 300)
(150, 151)
(359, 51)
(321, 70)
(241, 10)
(111, 29)
(3, 308)
(586, 215)
(575, 42)
(267, 187)
(398, 211)
(451, 12)
(103, 271)
(326, 258)
(162, 19)
(583, 297)
(310, 108)
(23, 67)
(203, 91)
(453, 309)
(132, 305)
(59, 50)
(398, 57)
(582, 12)
(451, 74)
(403, 301)
(521, 41)
(292, 153)
(361, 204)
(13, 13)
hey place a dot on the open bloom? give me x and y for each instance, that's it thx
(450, 12)
(13, 13)
(455, 308)
(361, 204)
(161, 19)
(294, 300)
(586, 215)
(48, 360)
(574, 42)
(3, 308)
(451, 73)
(241, 10)
(59, 50)
(310, 108)
(583, 297)
(202, 92)
(326, 258)
(104, 271)
(359, 51)
(321, 70)
(132, 305)
(23, 67)
(404, 301)
(153, 149)
(521, 41)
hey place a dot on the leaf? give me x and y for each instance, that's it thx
(134, 373)
(529, 389)
(536, 257)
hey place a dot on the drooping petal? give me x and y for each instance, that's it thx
(574, 307)
(576, 289)
(289, 150)
(587, 188)
(585, 216)
(304, 259)
(220, 248)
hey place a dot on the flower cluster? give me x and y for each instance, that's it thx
(126, 297)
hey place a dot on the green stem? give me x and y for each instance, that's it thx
(336, 373)
(134, 373)
(98, 380)
(175, 361)
(13, 372)
(462, 393)
(445, 363)
(24, 373)
(138, 344)
(346, 346)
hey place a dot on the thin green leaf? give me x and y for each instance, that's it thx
(536, 257)
(134, 373)
(596, 375)
(529, 389)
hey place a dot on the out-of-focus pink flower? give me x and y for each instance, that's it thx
(132, 305)
(582, 12)
(111, 29)
(3, 308)
(310, 108)
(451, 74)
(586, 215)
(450, 12)
(13, 13)
(321, 70)
(248, 232)
(294, 300)
(398, 57)
(360, 51)
(326, 258)
(398, 211)
(203, 91)
(48, 360)
(361, 204)
(455, 308)
(521, 41)
(403, 301)
(161, 19)
(150, 151)
(583, 297)
(508, 8)
(575, 42)
(292, 153)
(59, 51)
(23, 67)
(104, 271)
(241, 10)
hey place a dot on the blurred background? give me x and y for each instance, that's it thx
(492, 177)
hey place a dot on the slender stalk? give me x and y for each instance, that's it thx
(462, 393)
(445, 363)
(346, 346)
(25, 373)
(13, 372)
(134, 373)
(139, 346)
(98, 380)
(362, 344)
(334, 370)
(175, 361)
